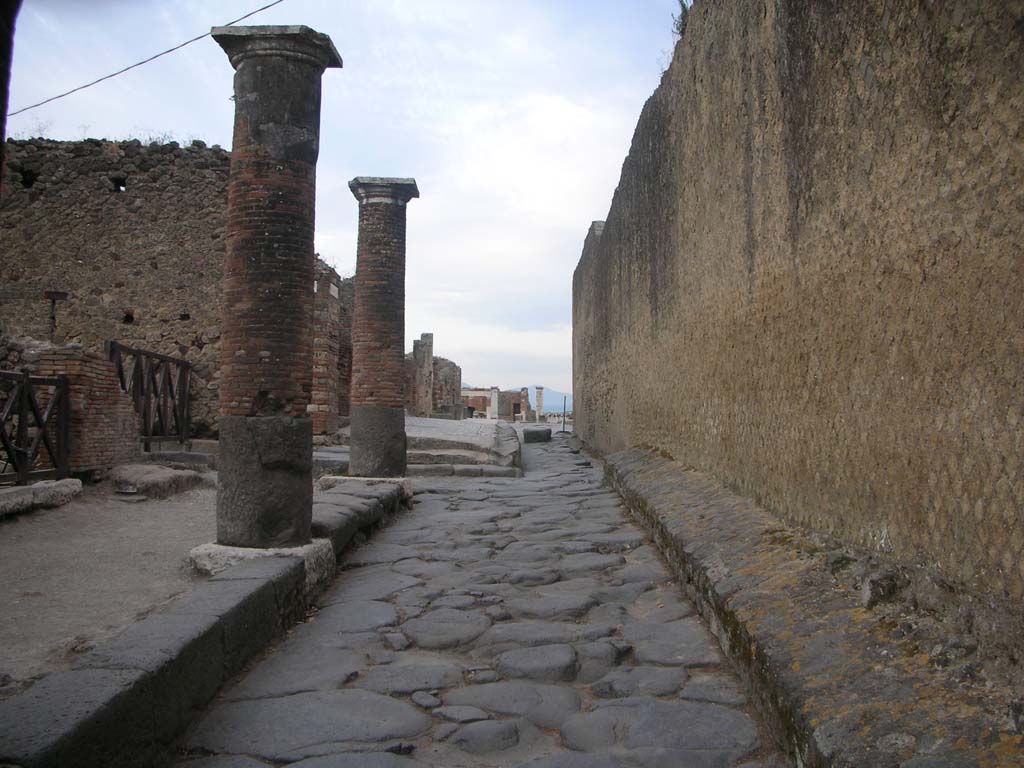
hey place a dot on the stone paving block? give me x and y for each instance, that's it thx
(445, 628)
(546, 706)
(289, 728)
(552, 663)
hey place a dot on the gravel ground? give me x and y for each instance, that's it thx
(72, 576)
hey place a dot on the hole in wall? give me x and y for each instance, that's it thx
(184, 316)
(28, 178)
(120, 183)
(129, 317)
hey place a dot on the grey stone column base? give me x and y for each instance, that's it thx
(378, 442)
(265, 489)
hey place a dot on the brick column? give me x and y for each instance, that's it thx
(540, 404)
(323, 409)
(265, 493)
(378, 328)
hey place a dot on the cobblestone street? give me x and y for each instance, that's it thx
(499, 623)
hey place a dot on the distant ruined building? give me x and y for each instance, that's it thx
(120, 241)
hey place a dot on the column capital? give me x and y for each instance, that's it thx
(379, 189)
(290, 42)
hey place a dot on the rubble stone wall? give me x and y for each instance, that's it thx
(133, 234)
(447, 383)
(809, 279)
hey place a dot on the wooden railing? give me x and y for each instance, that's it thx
(158, 385)
(35, 416)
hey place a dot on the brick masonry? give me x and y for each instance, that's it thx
(809, 279)
(378, 328)
(326, 347)
(104, 430)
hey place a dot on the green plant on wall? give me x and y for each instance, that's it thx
(679, 19)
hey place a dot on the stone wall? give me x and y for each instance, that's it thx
(419, 376)
(447, 384)
(809, 280)
(133, 234)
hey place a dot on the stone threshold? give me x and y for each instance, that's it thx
(834, 681)
(126, 702)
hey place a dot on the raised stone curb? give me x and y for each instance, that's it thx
(48, 494)
(834, 681)
(125, 702)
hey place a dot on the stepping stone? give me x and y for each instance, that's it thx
(289, 728)
(537, 435)
(546, 706)
(553, 663)
(445, 628)
(486, 736)
(685, 642)
(639, 681)
(407, 678)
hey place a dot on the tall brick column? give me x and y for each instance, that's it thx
(378, 328)
(265, 493)
(540, 404)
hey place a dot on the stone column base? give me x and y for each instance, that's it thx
(265, 485)
(378, 441)
(210, 559)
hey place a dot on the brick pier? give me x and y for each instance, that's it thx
(378, 328)
(265, 493)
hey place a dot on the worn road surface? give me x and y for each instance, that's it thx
(499, 623)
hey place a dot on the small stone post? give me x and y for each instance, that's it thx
(378, 328)
(540, 404)
(265, 492)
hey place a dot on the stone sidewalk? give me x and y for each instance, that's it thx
(500, 623)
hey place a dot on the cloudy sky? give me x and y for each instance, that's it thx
(514, 117)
